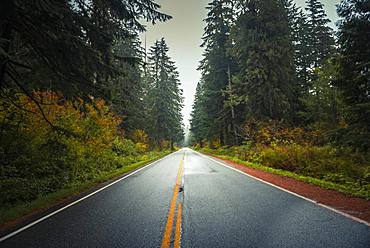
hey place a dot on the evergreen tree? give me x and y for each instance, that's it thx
(299, 38)
(199, 125)
(320, 36)
(264, 52)
(81, 48)
(216, 68)
(354, 73)
(164, 96)
(66, 45)
(324, 107)
(126, 91)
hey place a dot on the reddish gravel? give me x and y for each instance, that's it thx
(353, 206)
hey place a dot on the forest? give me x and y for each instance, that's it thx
(81, 100)
(283, 92)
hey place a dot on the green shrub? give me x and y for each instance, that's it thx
(37, 160)
(342, 167)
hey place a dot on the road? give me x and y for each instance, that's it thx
(189, 200)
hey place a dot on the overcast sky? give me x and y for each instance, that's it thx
(183, 35)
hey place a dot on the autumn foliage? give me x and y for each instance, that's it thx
(301, 151)
(70, 141)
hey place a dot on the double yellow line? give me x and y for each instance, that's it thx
(166, 241)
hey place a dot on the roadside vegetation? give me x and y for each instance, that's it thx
(281, 90)
(38, 160)
(302, 155)
(81, 101)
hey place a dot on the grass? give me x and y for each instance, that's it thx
(44, 202)
(353, 191)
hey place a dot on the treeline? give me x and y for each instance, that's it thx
(80, 97)
(280, 88)
(271, 61)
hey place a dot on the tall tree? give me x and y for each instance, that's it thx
(165, 96)
(320, 35)
(299, 38)
(66, 45)
(354, 73)
(216, 68)
(198, 124)
(75, 47)
(324, 108)
(264, 52)
(126, 90)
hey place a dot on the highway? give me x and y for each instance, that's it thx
(189, 200)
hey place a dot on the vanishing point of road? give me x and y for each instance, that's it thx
(190, 200)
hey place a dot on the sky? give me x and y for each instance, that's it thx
(183, 36)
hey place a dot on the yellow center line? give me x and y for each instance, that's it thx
(178, 227)
(169, 225)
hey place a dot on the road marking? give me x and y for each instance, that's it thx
(178, 227)
(285, 190)
(166, 241)
(79, 200)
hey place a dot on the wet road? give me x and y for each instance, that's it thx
(189, 200)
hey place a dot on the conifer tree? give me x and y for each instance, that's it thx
(81, 48)
(125, 92)
(299, 38)
(164, 96)
(354, 73)
(66, 45)
(216, 68)
(198, 124)
(320, 35)
(324, 103)
(264, 53)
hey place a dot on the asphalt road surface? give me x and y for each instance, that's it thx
(189, 200)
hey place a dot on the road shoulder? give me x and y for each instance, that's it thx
(349, 205)
(73, 198)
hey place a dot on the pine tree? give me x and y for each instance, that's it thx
(299, 38)
(216, 67)
(126, 90)
(320, 36)
(198, 123)
(354, 73)
(81, 48)
(324, 108)
(64, 45)
(164, 96)
(264, 52)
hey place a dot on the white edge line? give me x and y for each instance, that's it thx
(79, 200)
(285, 190)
